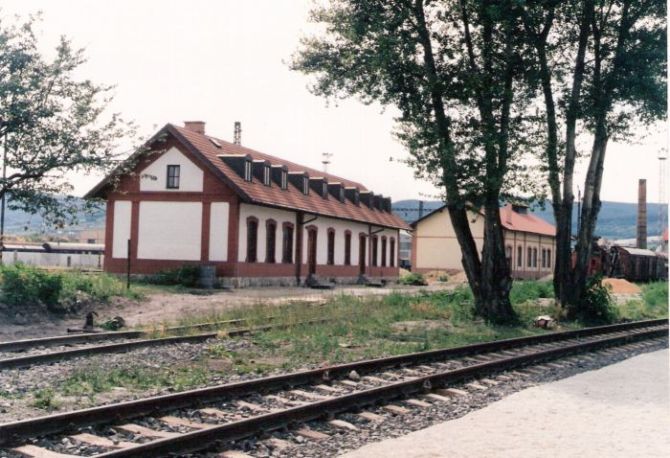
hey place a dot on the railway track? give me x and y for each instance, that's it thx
(130, 340)
(195, 420)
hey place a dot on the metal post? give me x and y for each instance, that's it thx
(128, 267)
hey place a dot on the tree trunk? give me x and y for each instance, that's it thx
(493, 302)
(589, 217)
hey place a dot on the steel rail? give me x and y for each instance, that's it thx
(13, 431)
(29, 360)
(201, 439)
(18, 345)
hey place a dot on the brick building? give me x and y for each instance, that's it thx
(530, 242)
(189, 198)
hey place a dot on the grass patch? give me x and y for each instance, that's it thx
(654, 303)
(93, 380)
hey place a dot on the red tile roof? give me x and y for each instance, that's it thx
(512, 221)
(291, 198)
(525, 222)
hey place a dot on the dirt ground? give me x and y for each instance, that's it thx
(168, 307)
(622, 286)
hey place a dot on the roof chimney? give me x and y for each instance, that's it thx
(195, 126)
(642, 214)
(237, 136)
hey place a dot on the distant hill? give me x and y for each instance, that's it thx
(22, 223)
(617, 220)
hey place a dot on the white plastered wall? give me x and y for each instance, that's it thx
(154, 176)
(170, 230)
(340, 226)
(121, 231)
(218, 231)
(436, 243)
(264, 214)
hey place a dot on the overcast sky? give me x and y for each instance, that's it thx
(224, 61)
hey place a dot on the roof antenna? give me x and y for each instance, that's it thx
(326, 161)
(237, 136)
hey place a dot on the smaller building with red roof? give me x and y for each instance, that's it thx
(530, 241)
(188, 198)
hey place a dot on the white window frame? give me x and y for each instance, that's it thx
(266, 175)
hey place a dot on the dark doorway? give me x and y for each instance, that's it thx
(361, 254)
(311, 251)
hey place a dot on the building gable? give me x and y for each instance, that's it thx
(154, 177)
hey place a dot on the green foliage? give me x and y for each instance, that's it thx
(186, 275)
(523, 291)
(23, 284)
(64, 291)
(94, 380)
(413, 278)
(51, 123)
(45, 399)
(596, 306)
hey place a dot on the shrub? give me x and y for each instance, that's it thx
(58, 291)
(23, 284)
(596, 306)
(185, 276)
(414, 279)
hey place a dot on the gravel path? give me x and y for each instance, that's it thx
(617, 411)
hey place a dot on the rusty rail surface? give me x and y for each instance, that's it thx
(15, 431)
(24, 344)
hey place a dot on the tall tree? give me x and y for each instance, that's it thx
(450, 67)
(605, 69)
(52, 125)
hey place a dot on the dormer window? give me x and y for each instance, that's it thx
(305, 186)
(324, 190)
(247, 170)
(172, 177)
(342, 195)
(284, 179)
(357, 197)
(266, 175)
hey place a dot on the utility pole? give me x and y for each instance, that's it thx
(4, 193)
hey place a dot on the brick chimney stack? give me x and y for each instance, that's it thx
(237, 134)
(642, 214)
(195, 126)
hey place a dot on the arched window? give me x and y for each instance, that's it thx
(392, 260)
(374, 250)
(529, 263)
(347, 248)
(270, 241)
(534, 257)
(548, 257)
(508, 255)
(287, 244)
(519, 256)
(252, 239)
(331, 246)
(384, 251)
